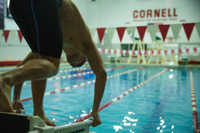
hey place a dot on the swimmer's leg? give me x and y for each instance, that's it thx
(35, 69)
(5, 97)
(38, 89)
(17, 104)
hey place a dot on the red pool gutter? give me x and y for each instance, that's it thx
(9, 63)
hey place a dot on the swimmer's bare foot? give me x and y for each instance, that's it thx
(17, 105)
(45, 119)
(5, 94)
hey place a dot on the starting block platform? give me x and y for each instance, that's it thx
(20, 123)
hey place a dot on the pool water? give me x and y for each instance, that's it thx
(161, 105)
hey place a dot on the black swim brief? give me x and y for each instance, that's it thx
(59, 2)
(39, 22)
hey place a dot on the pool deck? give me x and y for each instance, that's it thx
(173, 66)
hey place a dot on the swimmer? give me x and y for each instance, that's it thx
(55, 25)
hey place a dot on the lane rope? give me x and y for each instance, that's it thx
(74, 75)
(194, 106)
(82, 84)
(76, 69)
(120, 96)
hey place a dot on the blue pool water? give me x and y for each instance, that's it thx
(161, 105)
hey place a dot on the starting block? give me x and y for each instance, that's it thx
(20, 123)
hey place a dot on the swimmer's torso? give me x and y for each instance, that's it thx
(76, 34)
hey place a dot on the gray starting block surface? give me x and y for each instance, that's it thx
(18, 123)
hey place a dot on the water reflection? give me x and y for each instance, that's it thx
(162, 122)
(117, 128)
(134, 124)
(54, 119)
(172, 126)
(132, 120)
(171, 76)
(161, 128)
(126, 122)
(131, 113)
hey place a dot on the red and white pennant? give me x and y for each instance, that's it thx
(188, 28)
(149, 52)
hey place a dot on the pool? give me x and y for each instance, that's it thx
(163, 104)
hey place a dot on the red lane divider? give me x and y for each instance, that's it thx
(119, 97)
(82, 84)
(74, 75)
(194, 106)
